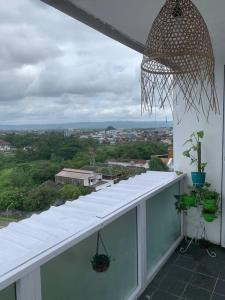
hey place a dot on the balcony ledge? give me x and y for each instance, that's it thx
(30, 243)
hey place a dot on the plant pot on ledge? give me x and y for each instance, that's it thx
(194, 153)
(198, 179)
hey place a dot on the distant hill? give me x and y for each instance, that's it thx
(109, 128)
(89, 125)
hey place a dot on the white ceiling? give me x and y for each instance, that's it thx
(133, 18)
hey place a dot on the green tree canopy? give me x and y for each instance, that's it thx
(157, 165)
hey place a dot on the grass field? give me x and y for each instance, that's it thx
(8, 219)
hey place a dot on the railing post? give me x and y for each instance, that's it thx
(142, 248)
(181, 191)
(29, 287)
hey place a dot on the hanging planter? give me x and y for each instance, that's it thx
(209, 216)
(210, 205)
(100, 262)
(178, 61)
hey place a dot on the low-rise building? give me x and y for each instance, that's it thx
(135, 163)
(5, 146)
(78, 177)
(82, 178)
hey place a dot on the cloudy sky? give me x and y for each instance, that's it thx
(53, 69)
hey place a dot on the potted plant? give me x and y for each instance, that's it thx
(210, 205)
(209, 216)
(100, 261)
(194, 153)
(184, 202)
(200, 197)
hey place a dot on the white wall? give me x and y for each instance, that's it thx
(212, 147)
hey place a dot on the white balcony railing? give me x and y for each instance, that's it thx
(47, 257)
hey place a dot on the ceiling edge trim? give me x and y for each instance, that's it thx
(81, 15)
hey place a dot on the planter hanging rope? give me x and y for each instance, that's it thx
(178, 61)
(100, 262)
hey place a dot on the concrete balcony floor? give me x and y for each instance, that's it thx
(191, 276)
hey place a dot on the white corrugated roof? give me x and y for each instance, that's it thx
(39, 238)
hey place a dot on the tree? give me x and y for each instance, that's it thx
(70, 191)
(12, 199)
(44, 170)
(41, 199)
(20, 177)
(157, 165)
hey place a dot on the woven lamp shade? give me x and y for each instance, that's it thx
(178, 62)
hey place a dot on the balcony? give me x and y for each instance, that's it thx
(48, 256)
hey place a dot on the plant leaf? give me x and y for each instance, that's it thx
(188, 141)
(186, 154)
(200, 134)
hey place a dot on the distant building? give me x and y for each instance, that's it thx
(167, 141)
(5, 146)
(81, 178)
(135, 163)
(108, 174)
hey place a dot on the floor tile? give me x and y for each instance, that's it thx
(203, 281)
(151, 289)
(222, 272)
(161, 295)
(172, 285)
(186, 262)
(195, 269)
(209, 267)
(220, 253)
(195, 293)
(220, 287)
(162, 274)
(174, 257)
(194, 251)
(218, 297)
(144, 297)
(181, 273)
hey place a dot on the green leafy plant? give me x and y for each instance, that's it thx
(185, 202)
(194, 153)
(200, 197)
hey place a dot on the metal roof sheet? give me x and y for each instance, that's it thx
(23, 243)
(74, 175)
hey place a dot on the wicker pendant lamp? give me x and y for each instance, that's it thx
(178, 62)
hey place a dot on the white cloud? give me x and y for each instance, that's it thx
(55, 69)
